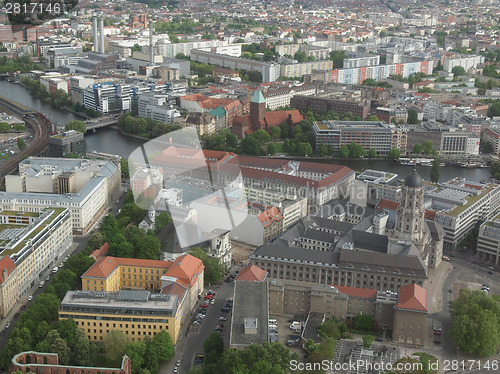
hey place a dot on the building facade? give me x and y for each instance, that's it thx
(68, 142)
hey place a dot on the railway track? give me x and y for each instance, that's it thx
(40, 126)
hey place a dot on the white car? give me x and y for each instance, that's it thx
(30, 298)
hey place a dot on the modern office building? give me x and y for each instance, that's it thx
(64, 176)
(30, 245)
(157, 108)
(461, 204)
(277, 98)
(369, 134)
(488, 241)
(68, 142)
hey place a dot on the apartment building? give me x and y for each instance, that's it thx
(31, 244)
(488, 241)
(126, 286)
(466, 61)
(464, 205)
(359, 60)
(300, 69)
(204, 123)
(379, 72)
(277, 98)
(492, 134)
(332, 101)
(270, 71)
(369, 134)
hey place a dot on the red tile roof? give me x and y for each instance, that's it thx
(413, 297)
(270, 216)
(186, 269)
(98, 253)
(430, 214)
(357, 292)
(387, 204)
(251, 273)
(7, 266)
(102, 268)
(276, 118)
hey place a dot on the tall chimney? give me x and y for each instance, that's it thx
(101, 31)
(94, 33)
(151, 56)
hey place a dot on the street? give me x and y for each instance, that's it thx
(188, 346)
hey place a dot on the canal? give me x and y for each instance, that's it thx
(112, 141)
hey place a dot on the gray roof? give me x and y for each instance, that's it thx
(389, 263)
(250, 301)
(311, 329)
(281, 252)
(369, 241)
(437, 231)
(413, 180)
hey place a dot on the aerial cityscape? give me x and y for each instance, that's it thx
(249, 187)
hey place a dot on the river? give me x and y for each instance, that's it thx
(114, 142)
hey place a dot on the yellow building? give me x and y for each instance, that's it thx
(137, 313)
(117, 295)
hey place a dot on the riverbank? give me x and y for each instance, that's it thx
(46, 100)
(115, 127)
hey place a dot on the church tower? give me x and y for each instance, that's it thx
(257, 110)
(152, 214)
(411, 212)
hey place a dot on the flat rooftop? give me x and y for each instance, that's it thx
(129, 302)
(250, 301)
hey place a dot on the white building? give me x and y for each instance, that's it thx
(156, 108)
(466, 61)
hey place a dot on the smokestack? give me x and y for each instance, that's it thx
(94, 33)
(151, 57)
(101, 31)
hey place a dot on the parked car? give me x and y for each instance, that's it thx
(436, 333)
(212, 301)
(30, 298)
(222, 318)
(7, 326)
(224, 310)
(437, 341)
(23, 307)
(204, 305)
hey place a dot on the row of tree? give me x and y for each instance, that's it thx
(144, 354)
(17, 127)
(33, 329)
(145, 127)
(255, 359)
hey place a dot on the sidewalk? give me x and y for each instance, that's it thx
(24, 299)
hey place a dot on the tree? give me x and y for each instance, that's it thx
(251, 146)
(458, 70)
(262, 136)
(76, 125)
(487, 147)
(413, 116)
(475, 320)
(356, 150)
(300, 56)
(214, 270)
(163, 346)
(435, 171)
(214, 348)
(271, 148)
(53, 343)
(373, 117)
(417, 149)
(494, 109)
(124, 167)
(21, 144)
(363, 322)
(495, 169)
(394, 153)
(367, 341)
(372, 153)
(136, 351)
(114, 347)
(161, 220)
(428, 147)
(96, 241)
(344, 151)
(276, 132)
(382, 34)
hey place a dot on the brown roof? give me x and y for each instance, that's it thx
(98, 253)
(7, 266)
(186, 268)
(357, 292)
(413, 297)
(387, 204)
(269, 216)
(276, 118)
(251, 273)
